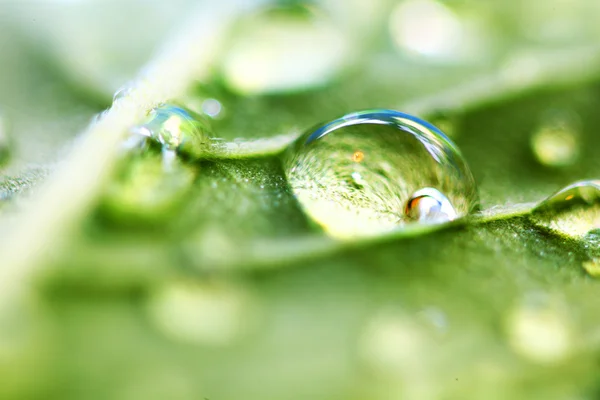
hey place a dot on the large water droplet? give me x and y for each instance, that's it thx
(374, 171)
(176, 129)
(573, 211)
(275, 51)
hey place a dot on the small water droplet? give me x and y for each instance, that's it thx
(274, 51)
(573, 211)
(176, 129)
(555, 143)
(374, 171)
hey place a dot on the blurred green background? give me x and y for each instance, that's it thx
(207, 280)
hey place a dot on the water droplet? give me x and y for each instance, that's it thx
(556, 141)
(538, 330)
(176, 129)
(202, 313)
(274, 51)
(573, 211)
(430, 29)
(374, 171)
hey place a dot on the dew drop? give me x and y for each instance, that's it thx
(374, 171)
(177, 129)
(274, 51)
(555, 143)
(573, 211)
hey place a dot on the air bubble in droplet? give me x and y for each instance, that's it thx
(429, 205)
(374, 171)
(573, 211)
(176, 129)
(556, 141)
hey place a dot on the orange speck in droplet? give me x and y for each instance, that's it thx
(569, 197)
(358, 156)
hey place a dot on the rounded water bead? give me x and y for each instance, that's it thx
(177, 129)
(573, 211)
(374, 171)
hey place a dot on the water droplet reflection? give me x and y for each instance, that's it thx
(573, 211)
(374, 171)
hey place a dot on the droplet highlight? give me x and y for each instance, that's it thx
(376, 171)
(573, 211)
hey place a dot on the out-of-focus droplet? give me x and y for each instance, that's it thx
(559, 22)
(145, 189)
(592, 267)
(430, 29)
(202, 313)
(284, 49)
(5, 141)
(176, 129)
(572, 211)
(556, 141)
(212, 108)
(539, 331)
(393, 345)
(361, 174)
